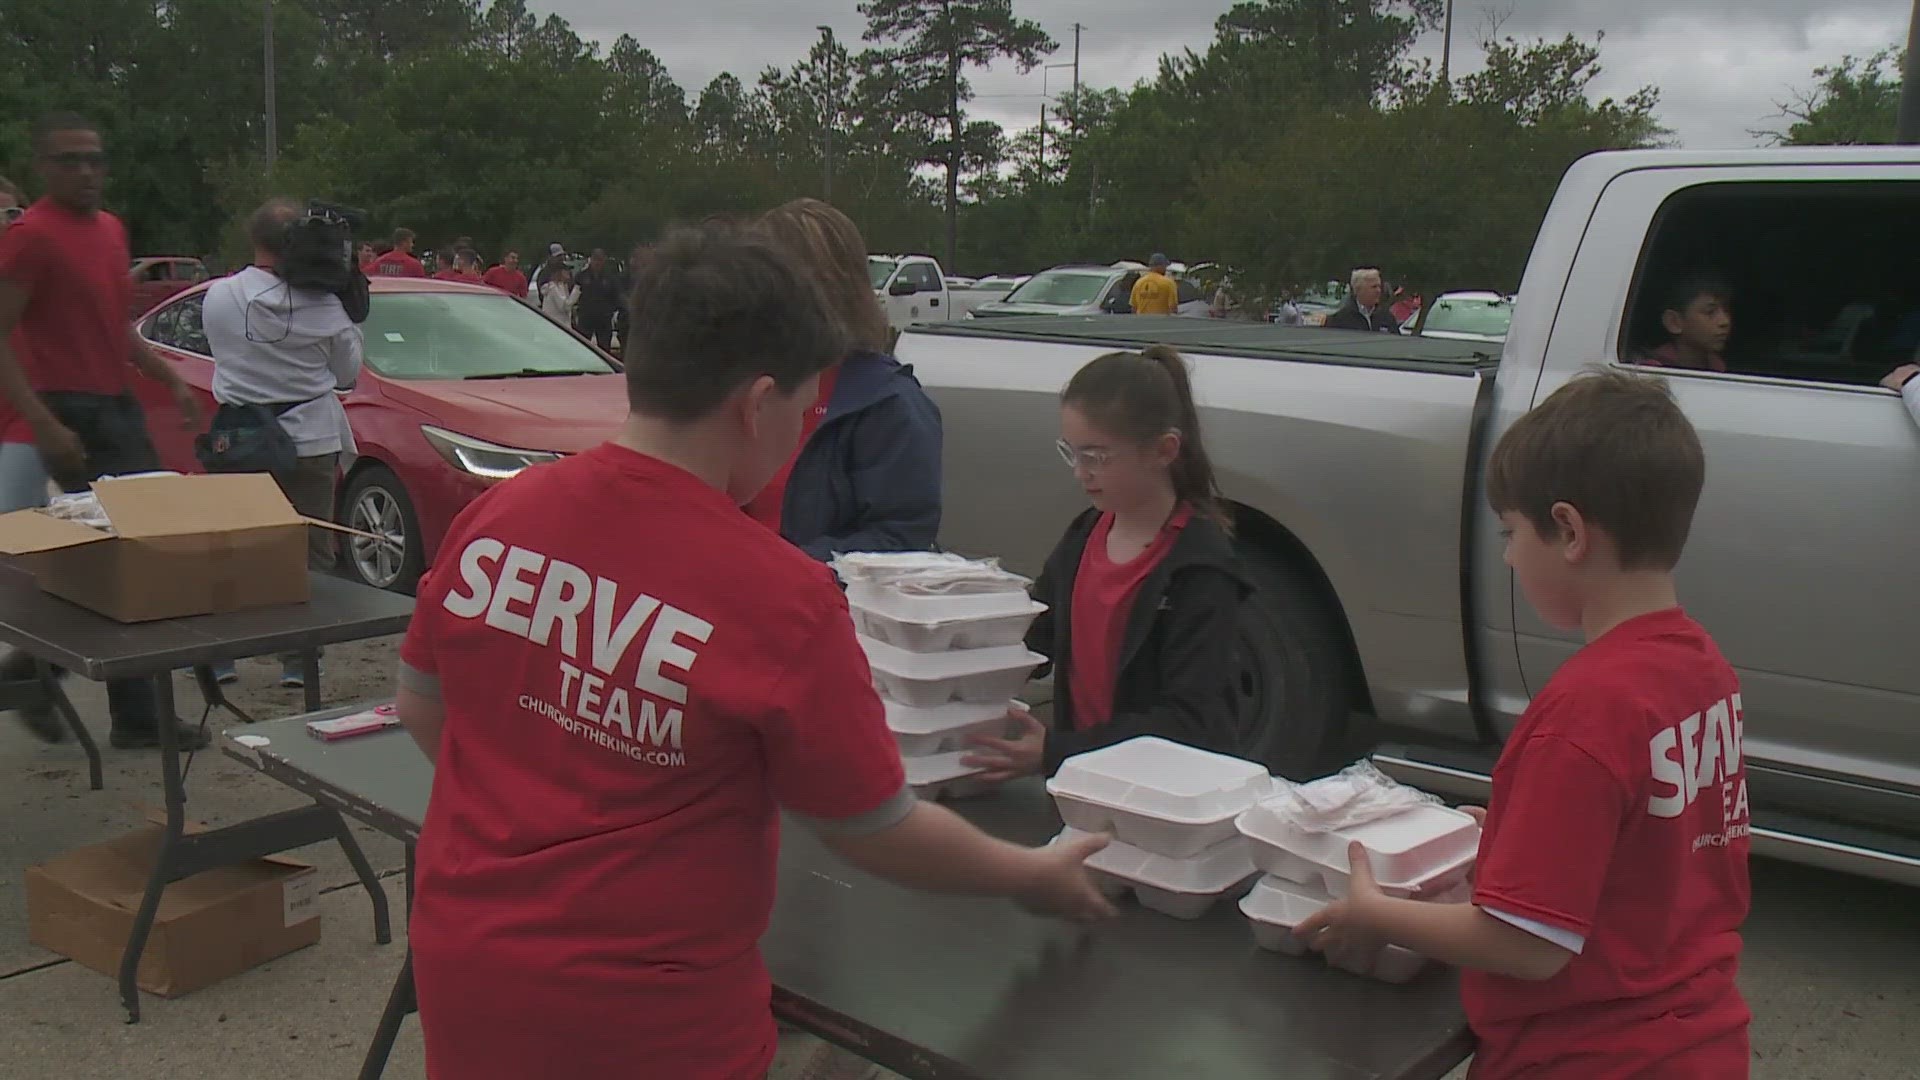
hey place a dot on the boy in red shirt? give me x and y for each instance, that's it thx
(400, 261)
(622, 679)
(1603, 936)
(507, 276)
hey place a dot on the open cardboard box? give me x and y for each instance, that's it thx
(180, 545)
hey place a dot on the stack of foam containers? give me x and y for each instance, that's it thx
(1424, 853)
(947, 665)
(1171, 810)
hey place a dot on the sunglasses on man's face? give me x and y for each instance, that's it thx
(74, 160)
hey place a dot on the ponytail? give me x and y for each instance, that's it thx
(1143, 396)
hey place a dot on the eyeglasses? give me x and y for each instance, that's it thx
(1091, 460)
(80, 159)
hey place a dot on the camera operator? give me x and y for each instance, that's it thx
(279, 353)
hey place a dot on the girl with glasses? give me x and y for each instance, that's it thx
(1143, 590)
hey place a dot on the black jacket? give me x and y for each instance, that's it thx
(1176, 664)
(1349, 317)
(601, 293)
(868, 478)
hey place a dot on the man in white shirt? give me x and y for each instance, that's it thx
(287, 349)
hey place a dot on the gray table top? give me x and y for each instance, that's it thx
(94, 646)
(985, 986)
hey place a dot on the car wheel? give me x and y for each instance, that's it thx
(377, 503)
(1292, 696)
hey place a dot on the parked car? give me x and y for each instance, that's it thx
(984, 290)
(912, 288)
(1083, 290)
(157, 277)
(1384, 616)
(464, 386)
(1464, 316)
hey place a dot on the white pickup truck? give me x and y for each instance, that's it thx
(912, 288)
(1385, 618)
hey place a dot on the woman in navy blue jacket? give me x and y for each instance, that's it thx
(867, 474)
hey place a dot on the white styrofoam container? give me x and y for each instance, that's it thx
(892, 603)
(928, 679)
(1275, 907)
(1284, 864)
(1183, 888)
(938, 729)
(930, 636)
(934, 775)
(1411, 844)
(1158, 795)
(1392, 964)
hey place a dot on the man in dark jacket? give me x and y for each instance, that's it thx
(868, 476)
(600, 287)
(1366, 307)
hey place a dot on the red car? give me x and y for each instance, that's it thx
(464, 386)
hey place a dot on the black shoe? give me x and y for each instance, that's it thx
(186, 737)
(44, 721)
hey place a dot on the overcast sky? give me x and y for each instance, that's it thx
(1720, 64)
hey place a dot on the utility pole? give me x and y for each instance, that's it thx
(1040, 160)
(1446, 53)
(833, 110)
(1074, 120)
(1908, 130)
(273, 118)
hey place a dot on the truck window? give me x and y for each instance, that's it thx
(922, 277)
(1820, 278)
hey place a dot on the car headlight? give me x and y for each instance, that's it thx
(477, 457)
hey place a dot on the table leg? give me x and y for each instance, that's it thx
(49, 680)
(400, 1002)
(382, 926)
(310, 673)
(176, 799)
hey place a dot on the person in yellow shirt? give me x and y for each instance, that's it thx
(1155, 293)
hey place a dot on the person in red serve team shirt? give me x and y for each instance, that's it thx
(622, 679)
(1142, 591)
(400, 261)
(507, 276)
(67, 359)
(1603, 935)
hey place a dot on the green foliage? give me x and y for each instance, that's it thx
(1855, 101)
(1304, 139)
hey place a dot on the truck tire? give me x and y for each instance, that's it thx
(1292, 696)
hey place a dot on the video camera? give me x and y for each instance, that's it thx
(317, 253)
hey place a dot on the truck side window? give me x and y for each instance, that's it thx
(1812, 280)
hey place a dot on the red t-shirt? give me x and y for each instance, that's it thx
(767, 507)
(397, 264)
(1619, 813)
(73, 334)
(636, 679)
(1668, 356)
(511, 282)
(467, 276)
(1103, 596)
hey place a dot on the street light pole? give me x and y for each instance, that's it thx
(273, 118)
(1908, 130)
(833, 111)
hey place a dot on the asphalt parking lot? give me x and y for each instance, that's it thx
(1832, 966)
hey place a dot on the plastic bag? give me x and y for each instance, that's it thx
(928, 573)
(1357, 794)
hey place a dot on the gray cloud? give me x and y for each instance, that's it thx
(1720, 64)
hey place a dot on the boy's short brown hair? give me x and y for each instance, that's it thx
(1618, 449)
(714, 308)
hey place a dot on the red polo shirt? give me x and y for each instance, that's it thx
(768, 506)
(636, 679)
(73, 334)
(1103, 595)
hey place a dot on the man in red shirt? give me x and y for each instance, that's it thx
(623, 679)
(67, 360)
(507, 276)
(1603, 936)
(400, 261)
(464, 266)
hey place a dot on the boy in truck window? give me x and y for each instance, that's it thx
(1696, 318)
(1603, 934)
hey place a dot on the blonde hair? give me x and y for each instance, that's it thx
(827, 245)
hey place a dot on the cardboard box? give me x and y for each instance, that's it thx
(210, 926)
(180, 545)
